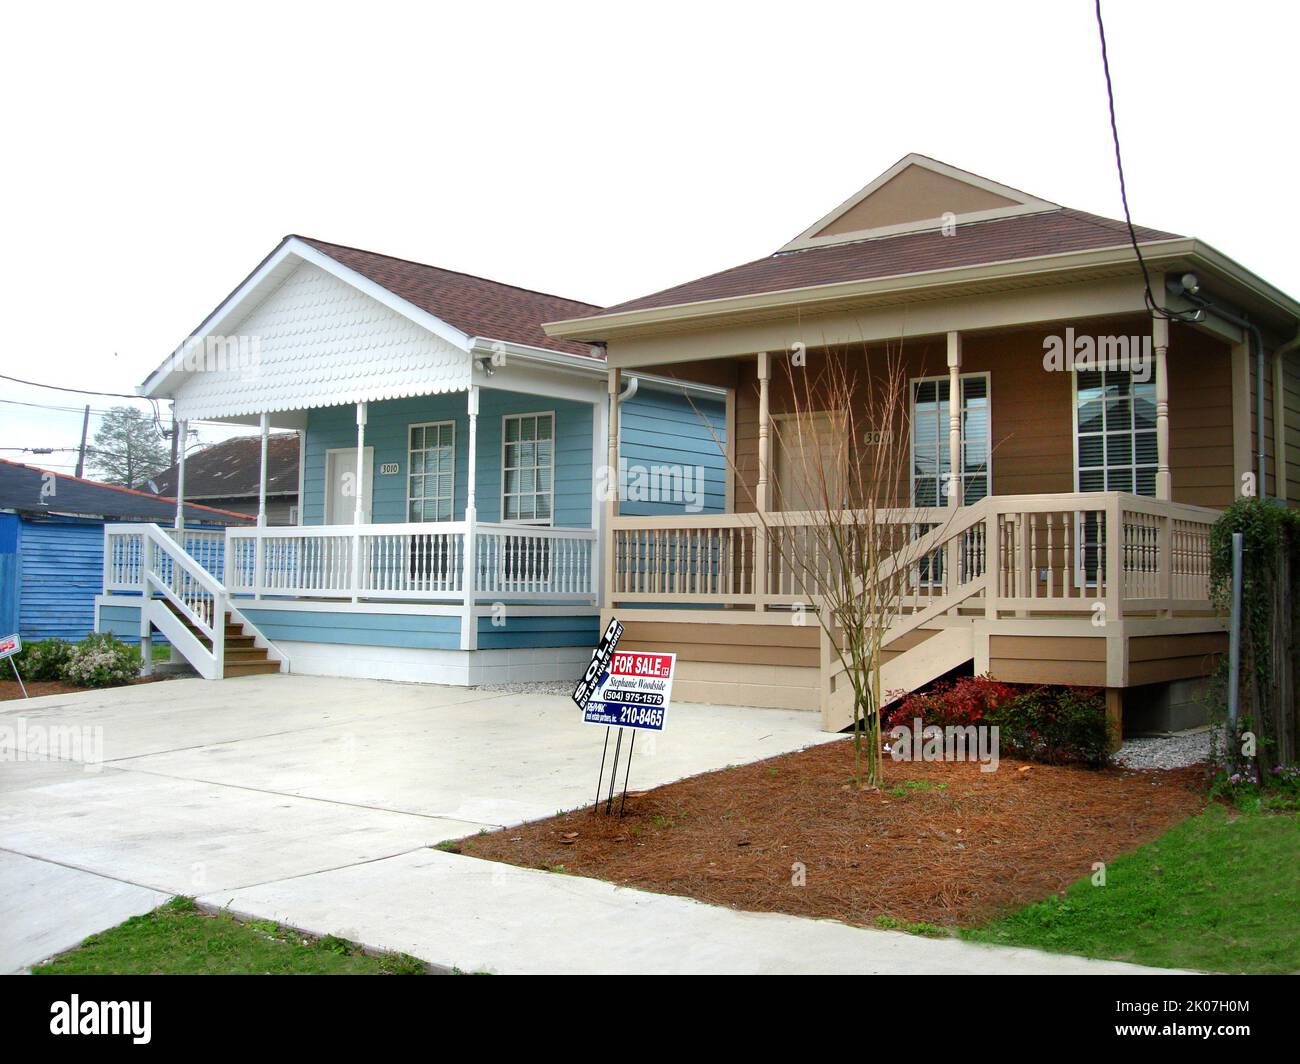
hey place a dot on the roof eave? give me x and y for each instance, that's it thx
(600, 326)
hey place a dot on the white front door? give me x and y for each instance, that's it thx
(341, 485)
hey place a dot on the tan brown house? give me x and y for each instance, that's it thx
(1087, 488)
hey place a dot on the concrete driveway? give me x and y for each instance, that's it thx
(314, 802)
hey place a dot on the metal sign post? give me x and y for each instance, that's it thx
(10, 645)
(630, 691)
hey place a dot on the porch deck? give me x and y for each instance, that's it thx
(1098, 588)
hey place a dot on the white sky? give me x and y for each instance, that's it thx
(156, 152)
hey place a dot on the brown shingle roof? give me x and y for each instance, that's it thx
(474, 305)
(974, 243)
(233, 467)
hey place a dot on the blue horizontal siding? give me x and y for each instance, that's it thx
(531, 631)
(387, 431)
(61, 572)
(413, 630)
(665, 437)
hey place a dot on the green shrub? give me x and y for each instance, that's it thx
(102, 660)
(1051, 724)
(1055, 725)
(44, 659)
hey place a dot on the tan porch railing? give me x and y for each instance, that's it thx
(1060, 553)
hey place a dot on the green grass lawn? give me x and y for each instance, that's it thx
(1220, 892)
(178, 939)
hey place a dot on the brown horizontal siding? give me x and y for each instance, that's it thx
(1032, 424)
(1079, 661)
(753, 644)
(1200, 418)
(1291, 401)
(1158, 659)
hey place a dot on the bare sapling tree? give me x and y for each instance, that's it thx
(845, 543)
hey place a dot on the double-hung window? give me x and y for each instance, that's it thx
(431, 471)
(528, 469)
(1115, 436)
(931, 465)
(1114, 450)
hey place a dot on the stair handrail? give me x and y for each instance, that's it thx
(152, 579)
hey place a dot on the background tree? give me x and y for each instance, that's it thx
(128, 449)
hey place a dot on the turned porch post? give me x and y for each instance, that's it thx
(1160, 341)
(762, 500)
(952, 562)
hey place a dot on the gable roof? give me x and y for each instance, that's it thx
(24, 488)
(474, 305)
(915, 194)
(919, 216)
(233, 468)
(973, 244)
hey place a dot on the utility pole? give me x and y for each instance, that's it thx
(81, 452)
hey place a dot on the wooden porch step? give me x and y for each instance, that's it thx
(243, 657)
(251, 668)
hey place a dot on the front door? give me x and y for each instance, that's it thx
(341, 485)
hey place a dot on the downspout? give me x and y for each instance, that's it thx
(632, 384)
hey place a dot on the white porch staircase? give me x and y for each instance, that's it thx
(186, 602)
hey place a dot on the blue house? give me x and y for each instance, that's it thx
(52, 547)
(456, 469)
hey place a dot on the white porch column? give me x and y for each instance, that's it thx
(611, 487)
(954, 420)
(261, 479)
(359, 512)
(182, 431)
(259, 542)
(469, 551)
(761, 500)
(1160, 341)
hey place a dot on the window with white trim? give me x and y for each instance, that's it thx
(528, 468)
(931, 459)
(1115, 432)
(1114, 450)
(431, 471)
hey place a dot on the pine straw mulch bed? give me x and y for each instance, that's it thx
(940, 843)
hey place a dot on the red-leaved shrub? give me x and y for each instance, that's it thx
(965, 700)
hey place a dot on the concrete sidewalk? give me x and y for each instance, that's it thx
(314, 802)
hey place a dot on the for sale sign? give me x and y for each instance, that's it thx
(636, 693)
(599, 667)
(9, 646)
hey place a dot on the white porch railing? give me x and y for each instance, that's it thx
(415, 561)
(179, 596)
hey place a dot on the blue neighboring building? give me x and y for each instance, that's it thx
(52, 546)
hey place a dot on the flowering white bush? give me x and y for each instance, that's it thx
(100, 660)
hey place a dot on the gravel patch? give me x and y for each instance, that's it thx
(531, 687)
(1165, 751)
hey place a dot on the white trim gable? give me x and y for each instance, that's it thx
(1021, 203)
(316, 339)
